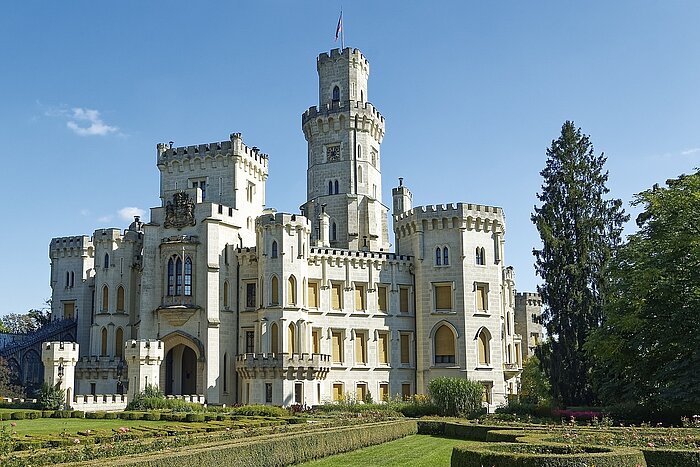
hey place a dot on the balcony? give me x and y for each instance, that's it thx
(511, 369)
(296, 366)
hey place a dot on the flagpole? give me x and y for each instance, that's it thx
(342, 31)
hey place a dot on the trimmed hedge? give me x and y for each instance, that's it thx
(279, 449)
(671, 458)
(260, 411)
(542, 455)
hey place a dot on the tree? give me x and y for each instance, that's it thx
(578, 228)
(646, 351)
(534, 386)
(33, 320)
(9, 386)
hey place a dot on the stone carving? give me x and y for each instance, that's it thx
(180, 212)
(332, 153)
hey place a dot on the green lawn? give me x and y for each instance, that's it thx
(415, 450)
(43, 426)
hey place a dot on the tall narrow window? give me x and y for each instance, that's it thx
(250, 342)
(291, 291)
(381, 298)
(443, 297)
(360, 348)
(119, 343)
(178, 276)
(337, 347)
(403, 300)
(316, 341)
(336, 296)
(480, 256)
(384, 392)
(274, 291)
(405, 348)
(72, 279)
(225, 294)
(291, 338)
(250, 295)
(106, 261)
(360, 298)
(438, 256)
(103, 347)
(330, 188)
(359, 175)
(313, 295)
(274, 339)
(383, 348)
(120, 298)
(484, 347)
(445, 256)
(359, 153)
(171, 277)
(105, 298)
(188, 277)
(225, 372)
(336, 94)
(274, 249)
(482, 303)
(67, 279)
(335, 186)
(334, 232)
(444, 345)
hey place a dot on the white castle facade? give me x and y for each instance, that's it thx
(254, 306)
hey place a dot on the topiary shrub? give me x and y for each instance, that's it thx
(194, 417)
(260, 411)
(77, 414)
(456, 397)
(17, 416)
(51, 397)
(111, 415)
(152, 416)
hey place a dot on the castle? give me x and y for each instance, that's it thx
(249, 305)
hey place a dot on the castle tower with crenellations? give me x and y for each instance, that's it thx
(344, 135)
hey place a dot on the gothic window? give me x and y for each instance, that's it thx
(119, 343)
(291, 331)
(171, 277)
(274, 291)
(445, 256)
(480, 256)
(72, 279)
(120, 298)
(359, 151)
(334, 232)
(444, 345)
(438, 256)
(274, 339)
(274, 249)
(359, 175)
(105, 298)
(106, 261)
(362, 95)
(292, 291)
(250, 342)
(330, 188)
(336, 94)
(67, 279)
(188, 277)
(484, 347)
(482, 302)
(335, 186)
(250, 295)
(178, 276)
(177, 282)
(103, 347)
(225, 372)
(225, 294)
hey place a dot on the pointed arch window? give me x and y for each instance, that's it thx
(438, 256)
(480, 256)
(119, 343)
(484, 347)
(274, 249)
(225, 294)
(445, 256)
(103, 346)
(188, 276)
(335, 186)
(171, 276)
(292, 338)
(105, 298)
(72, 279)
(274, 291)
(120, 298)
(336, 94)
(292, 291)
(330, 188)
(334, 232)
(444, 345)
(359, 175)
(274, 339)
(106, 261)
(67, 279)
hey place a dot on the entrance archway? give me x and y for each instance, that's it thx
(181, 370)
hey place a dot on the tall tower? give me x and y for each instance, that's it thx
(344, 134)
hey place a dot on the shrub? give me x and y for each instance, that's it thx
(260, 411)
(51, 397)
(456, 397)
(77, 414)
(18, 416)
(671, 457)
(152, 416)
(111, 415)
(61, 414)
(33, 414)
(194, 417)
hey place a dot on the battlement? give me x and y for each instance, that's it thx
(357, 108)
(233, 147)
(67, 243)
(347, 53)
(283, 219)
(107, 235)
(143, 347)
(55, 351)
(338, 252)
(462, 210)
(528, 299)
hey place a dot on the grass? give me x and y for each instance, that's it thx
(45, 426)
(414, 450)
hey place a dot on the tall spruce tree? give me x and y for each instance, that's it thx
(578, 228)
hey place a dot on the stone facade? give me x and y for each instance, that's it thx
(255, 306)
(528, 321)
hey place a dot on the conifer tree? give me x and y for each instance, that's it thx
(578, 227)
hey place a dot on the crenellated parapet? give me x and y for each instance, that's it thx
(76, 246)
(354, 56)
(212, 155)
(289, 222)
(339, 115)
(528, 299)
(472, 217)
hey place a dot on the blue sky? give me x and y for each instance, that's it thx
(473, 93)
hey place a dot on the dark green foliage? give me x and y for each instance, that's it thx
(535, 387)
(646, 353)
(9, 382)
(533, 455)
(152, 416)
(77, 414)
(194, 417)
(578, 228)
(671, 458)
(95, 415)
(152, 398)
(525, 409)
(260, 411)
(111, 415)
(51, 397)
(61, 414)
(18, 416)
(456, 397)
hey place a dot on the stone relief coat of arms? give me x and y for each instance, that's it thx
(180, 212)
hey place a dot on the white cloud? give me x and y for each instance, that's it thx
(83, 122)
(127, 213)
(688, 152)
(105, 219)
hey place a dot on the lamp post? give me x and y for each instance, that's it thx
(120, 372)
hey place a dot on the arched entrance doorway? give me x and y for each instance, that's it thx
(181, 370)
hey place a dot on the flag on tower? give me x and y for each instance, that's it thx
(339, 28)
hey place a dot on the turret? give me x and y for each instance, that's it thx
(402, 197)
